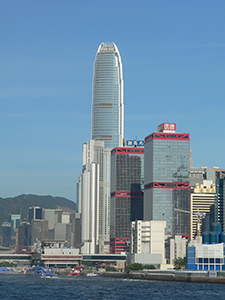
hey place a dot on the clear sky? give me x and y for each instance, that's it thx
(173, 55)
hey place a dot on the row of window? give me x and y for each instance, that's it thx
(209, 267)
(210, 260)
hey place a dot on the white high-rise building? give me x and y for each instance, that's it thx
(90, 204)
(91, 196)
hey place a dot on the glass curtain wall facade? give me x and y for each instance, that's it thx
(167, 196)
(127, 174)
(107, 97)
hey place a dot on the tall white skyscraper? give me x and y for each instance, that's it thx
(107, 97)
(107, 132)
(92, 195)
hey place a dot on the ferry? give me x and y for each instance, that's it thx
(74, 273)
(40, 272)
(91, 274)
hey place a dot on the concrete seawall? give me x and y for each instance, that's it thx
(173, 276)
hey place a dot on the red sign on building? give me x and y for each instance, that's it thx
(167, 126)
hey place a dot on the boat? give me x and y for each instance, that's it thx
(91, 274)
(40, 272)
(74, 273)
(4, 270)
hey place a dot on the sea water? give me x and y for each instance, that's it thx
(19, 286)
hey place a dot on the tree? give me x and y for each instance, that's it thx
(135, 266)
(179, 263)
(149, 267)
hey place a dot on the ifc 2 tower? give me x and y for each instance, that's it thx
(107, 97)
(107, 132)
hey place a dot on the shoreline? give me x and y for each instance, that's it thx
(170, 276)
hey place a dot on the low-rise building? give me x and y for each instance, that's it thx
(61, 257)
(206, 257)
(147, 242)
(175, 247)
(210, 255)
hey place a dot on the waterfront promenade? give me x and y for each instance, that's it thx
(179, 276)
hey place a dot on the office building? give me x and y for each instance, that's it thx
(76, 231)
(175, 247)
(107, 131)
(63, 232)
(147, 242)
(92, 195)
(24, 234)
(196, 175)
(127, 171)
(166, 180)
(39, 230)
(90, 210)
(218, 209)
(212, 173)
(210, 254)
(107, 123)
(6, 234)
(206, 257)
(202, 198)
(53, 216)
(217, 176)
(78, 195)
(14, 219)
(34, 213)
(107, 97)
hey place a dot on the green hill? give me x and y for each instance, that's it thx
(20, 205)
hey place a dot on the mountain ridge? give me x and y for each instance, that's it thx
(20, 204)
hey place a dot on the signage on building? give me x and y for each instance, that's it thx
(212, 274)
(167, 127)
(134, 143)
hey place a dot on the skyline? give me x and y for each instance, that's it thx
(173, 56)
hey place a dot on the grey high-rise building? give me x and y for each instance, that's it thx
(107, 97)
(166, 178)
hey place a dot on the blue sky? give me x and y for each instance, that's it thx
(173, 55)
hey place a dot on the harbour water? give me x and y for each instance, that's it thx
(19, 286)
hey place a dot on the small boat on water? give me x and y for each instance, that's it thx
(74, 273)
(91, 274)
(4, 270)
(40, 272)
